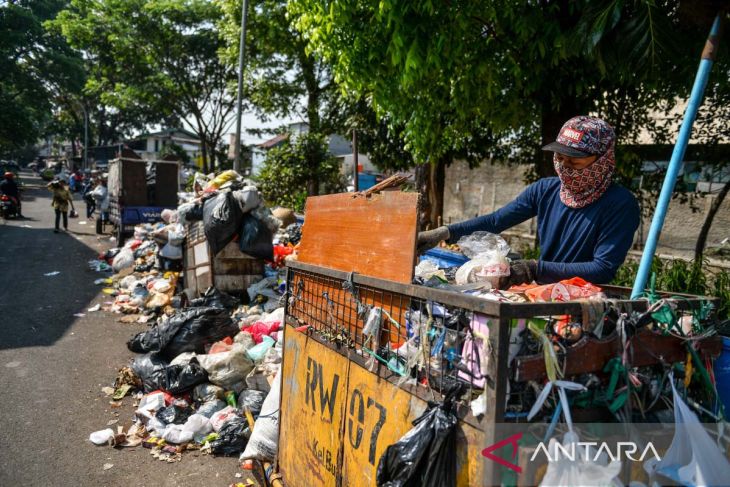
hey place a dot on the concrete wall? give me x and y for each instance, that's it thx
(489, 187)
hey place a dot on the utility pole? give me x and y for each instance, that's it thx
(239, 94)
(354, 159)
(85, 164)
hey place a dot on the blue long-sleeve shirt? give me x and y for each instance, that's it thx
(589, 242)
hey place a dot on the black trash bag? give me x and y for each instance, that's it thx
(202, 326)
(252, 400)
(174, 414)
(221, 220)
(151, 369)
(188, 330)
(256, 238)
(194, 214)
(232, 437)
(216, 299)
(426, 455)
(183, 377)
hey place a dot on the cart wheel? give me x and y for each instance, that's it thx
(120, 235)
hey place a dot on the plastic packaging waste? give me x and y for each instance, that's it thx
(264, 441)
(215, 299)
(232, 437)
(207, 392)
(258, 352)
(182, 378)
(151, 369)
(174, 414)
(124, 259)
(188, 330)
(251, 400)
(183, 358)
(489, 262)
(102, 437)
(220, 417)
(209, 408)
(693, 458)
(221, 221)
(255, 238)
(425, 455)
(228, 369)
(176, 433)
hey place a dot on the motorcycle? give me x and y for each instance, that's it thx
(8, 207)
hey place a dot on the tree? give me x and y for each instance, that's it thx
(299, 169)
(159, 57)
(282, 77)
(36, 65)
(490, 79)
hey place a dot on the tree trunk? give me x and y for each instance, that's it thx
(430, 182)
(204, 155)
(707, 224)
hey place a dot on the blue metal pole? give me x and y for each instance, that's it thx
(675, 163)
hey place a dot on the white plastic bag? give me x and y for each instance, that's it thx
(175, 433)
(227, 369)
(693, 458)
(489, 262)
(264, 443)
(123, 260)
(219, 418)
(587, 467)
(101, 437)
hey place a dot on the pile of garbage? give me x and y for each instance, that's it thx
(206, 376)
(203, 380)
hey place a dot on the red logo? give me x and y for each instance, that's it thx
(512, 440)
(574, 135)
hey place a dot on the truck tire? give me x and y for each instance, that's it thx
(120, 235)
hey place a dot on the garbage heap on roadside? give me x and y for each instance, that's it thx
(207, 374)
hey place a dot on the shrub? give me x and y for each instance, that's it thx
(289, 169)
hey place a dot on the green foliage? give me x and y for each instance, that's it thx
(682, 276)
(156, 57)
(492, 78)
(35, 66)
(291, 172)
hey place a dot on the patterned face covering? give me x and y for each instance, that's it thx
(581, 187)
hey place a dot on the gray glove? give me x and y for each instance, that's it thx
(431, 238)
(520, 272)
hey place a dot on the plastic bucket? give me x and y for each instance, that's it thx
(722, 374)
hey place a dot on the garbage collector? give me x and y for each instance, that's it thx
(585, 222)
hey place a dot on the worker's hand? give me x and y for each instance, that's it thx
(520, 272)
(431, 238)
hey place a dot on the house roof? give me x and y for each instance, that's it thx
(273, 142)
(170, 132)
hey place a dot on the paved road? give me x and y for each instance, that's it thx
(54, 364)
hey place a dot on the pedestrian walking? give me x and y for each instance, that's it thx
(62, 199)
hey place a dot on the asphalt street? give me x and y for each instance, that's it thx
(53, 364)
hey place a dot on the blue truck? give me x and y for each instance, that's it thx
(138, 192)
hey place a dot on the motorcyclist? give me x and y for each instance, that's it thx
(10, 188)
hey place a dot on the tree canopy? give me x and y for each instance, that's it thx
(159, 58)
(36, 66)
(498, 78)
